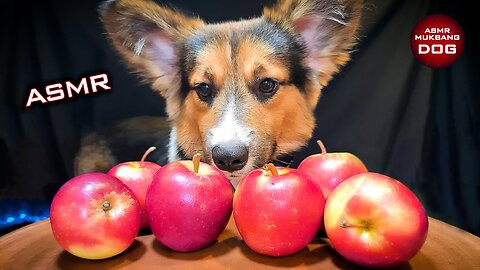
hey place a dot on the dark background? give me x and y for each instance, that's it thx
(418, 125)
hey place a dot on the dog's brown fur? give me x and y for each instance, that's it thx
(299, 43)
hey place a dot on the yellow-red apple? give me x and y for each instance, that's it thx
(137, 175)
(375, 221)
(95, 216)
(330, 169)
(188, 204)
(277, 210)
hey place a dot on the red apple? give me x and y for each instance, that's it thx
(137, 175)
(277, 211)
(95, 216)
(330, 169)
(375, 221)
(188, 204)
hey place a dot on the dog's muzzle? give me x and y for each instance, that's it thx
(230, 157)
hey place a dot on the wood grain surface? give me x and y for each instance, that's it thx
(33, 247)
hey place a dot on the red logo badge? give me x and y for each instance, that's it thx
(437, 41)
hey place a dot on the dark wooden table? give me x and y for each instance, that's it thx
(33, 247)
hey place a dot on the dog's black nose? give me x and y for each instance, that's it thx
(230, 157)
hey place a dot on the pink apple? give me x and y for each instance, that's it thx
(375, 221)
(137, 175)
(330, 169)
(188, 204)
(95, 216)
(277, 211)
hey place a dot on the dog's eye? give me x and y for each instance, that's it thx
(203, 90)
(268, 86)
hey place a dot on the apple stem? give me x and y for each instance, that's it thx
(345, 224)
(196, 162)
(270, 167)
(322, 147)
(106, 206)
(149, 150)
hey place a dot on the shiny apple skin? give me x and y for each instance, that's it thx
(396, 219)
(138, 177)
(83, 228)
(330, 169)
(278, 215)
(186, 210)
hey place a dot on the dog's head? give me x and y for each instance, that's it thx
(242, 93)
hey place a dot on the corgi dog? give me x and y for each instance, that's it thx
(241, 93)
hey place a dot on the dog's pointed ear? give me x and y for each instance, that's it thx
(327, 29)
(146, 35)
